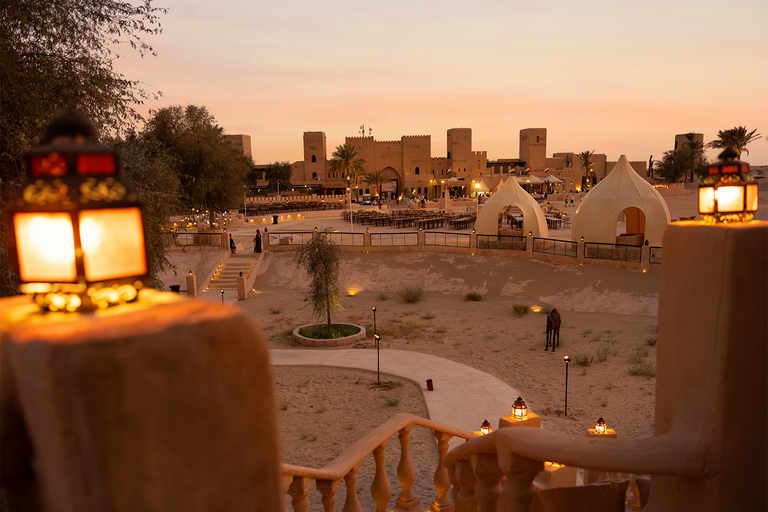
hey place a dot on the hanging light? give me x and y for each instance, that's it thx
(485, 428)
(76, 236)
(600, 426)
(519, 409)
(727, 193)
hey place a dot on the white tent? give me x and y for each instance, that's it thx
(483, 187)
(511, 193)
(623, 190)
(529, 180)
(499, 184)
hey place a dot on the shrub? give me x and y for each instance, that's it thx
(583, 359)
(644, 369)
(411, 294)
(428, 316)
(321, 332)
(275, 311)
(650, 341)
(520, 309)
(473, 296)
(391, 401)
(603, 353)
(383, 296)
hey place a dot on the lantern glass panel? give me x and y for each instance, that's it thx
(752, 197)
(45, 245)
(730, 199)
(707, 200)
(113, 243)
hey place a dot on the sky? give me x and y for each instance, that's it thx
(613, 76)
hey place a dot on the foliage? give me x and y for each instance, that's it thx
(321, 333)
(583, 359)
(278, 173)
(644, 369)
(377, 179)
(321, 260)
(473, 296)
(676, 164)
(148, 171)
(410, 293)
(211, 171)
(585, 157)
(520, 309)
(650, 341)
(59, 54)
(736, 138)
(345, 164)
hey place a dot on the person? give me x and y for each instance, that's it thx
(257, 242)
(572, 201)
(232, 245)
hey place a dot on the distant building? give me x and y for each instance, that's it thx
(241, 143)
(683, 138)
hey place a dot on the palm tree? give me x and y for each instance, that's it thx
(585, 157)
(377, 179)
(344, 162)
(696, 147)
(736, 138)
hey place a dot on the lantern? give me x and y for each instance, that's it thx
(600, 426)
(485, 428)
(519, 409)
(76, 231)
(727, 193)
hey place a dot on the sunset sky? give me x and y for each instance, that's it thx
(614, 76)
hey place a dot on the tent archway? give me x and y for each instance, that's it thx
(511, 194)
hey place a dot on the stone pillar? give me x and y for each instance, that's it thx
(367, 238)
(645, 257)
(242, 292)
(473, 240)
(192, 285)
(580, 251)
(529, 242)
(421, 237)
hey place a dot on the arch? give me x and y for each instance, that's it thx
(314, 175)
(511, 194)
(314, 159)
(394, 185)
(417, 170)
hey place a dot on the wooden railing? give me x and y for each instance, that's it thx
(297, 480)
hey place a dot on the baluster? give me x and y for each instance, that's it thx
(488, 486)
(455, 488)
(406, 473)
(518, 489)
(328, 489)
(466, 481)
(285, 484)
(442, 484)
(350, 481)
(381, 491)
(298, 491)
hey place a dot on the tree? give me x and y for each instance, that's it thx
(736, 138)
(344, 163)
(211, 172)
(321, 259)
(278, 174)
(377, 179)
(149, 172)
(696, 149)
(674, 164)
(585, 157)
(59, 54)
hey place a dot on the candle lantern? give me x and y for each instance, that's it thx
(727, 193)
(485, 428)
(600, 426)
(76, 235)
(519, 409)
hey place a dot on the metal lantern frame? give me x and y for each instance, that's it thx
(75, 210)
(485, 428)
(519, 409)
(728, 193)
(600, 426)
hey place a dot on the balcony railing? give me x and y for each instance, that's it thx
(615, 252)
(509, 242)
(197, 239)
(439, 239)
(394, 239)
(297, 480)
(559, 247)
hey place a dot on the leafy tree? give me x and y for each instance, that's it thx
(377, 179)
(211, 172)
(674, 164)
(148, 171)
(696, 149)
(278, 173)
(344, 163)
(321, 259)
(59, 54)
(736, 138)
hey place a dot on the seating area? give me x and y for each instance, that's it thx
(255, 210)
(422, 219)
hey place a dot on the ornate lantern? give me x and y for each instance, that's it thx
(600, 427)
(519, 409)
(727, 193)
(485, 428)
(76, 236)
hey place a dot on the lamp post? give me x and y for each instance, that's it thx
(567, 360)
(477, 194)
(222, 296)
(374, 319)
(377, 338)
(349, 190)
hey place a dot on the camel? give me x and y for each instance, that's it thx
(553, 329)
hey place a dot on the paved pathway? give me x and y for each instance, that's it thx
(463, 397)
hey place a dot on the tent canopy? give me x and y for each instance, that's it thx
(623, 189)
(483, 187)
(553, 179)
(511, 193)
(529, 180)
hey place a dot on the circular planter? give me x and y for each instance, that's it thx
(335, 342)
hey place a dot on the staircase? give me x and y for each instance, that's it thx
(225, 277)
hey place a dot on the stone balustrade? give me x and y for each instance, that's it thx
(297, 480)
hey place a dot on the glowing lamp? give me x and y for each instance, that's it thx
(519, 409)
(727, 193)
(600, 426)
(76, 235)
(485, 428)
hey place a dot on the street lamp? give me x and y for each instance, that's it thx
(477, 194)
(222, 296)
(377, 339)
(567, 360)
(374, 319)
(349, 190)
